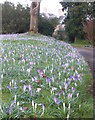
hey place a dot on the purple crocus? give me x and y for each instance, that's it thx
(58, 102)
(47, 79)
(38, 70)
(35, 78)
(63, 92)
(70, 95)
(66, 85)
(55, 100)
(31, 92)
(43, 107)
(73, 89)
(41, 74)
(8, 111)
(10, 72)
(76, 78)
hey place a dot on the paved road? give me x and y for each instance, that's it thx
(89, 55)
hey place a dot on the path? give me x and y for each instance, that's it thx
(89, 55)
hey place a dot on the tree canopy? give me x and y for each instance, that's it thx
(77, 13)
(16, 19)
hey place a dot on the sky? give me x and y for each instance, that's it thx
(51, 5)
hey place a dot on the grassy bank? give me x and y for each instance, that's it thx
(44, 78)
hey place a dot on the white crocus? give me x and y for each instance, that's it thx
(18, 103)
(52, 78)
(33, 104)
(2, 76)
(38, 90)
(33, 79)
(29, 87)
(28, 70)
(68, 112)
(64, 107)
(15, 99)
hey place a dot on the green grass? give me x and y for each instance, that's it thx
(51, 109)
(81, 43)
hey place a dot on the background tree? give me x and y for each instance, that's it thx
(46, 26)
(77, 13)
(16, 19)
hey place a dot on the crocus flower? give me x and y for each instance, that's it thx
(29, 86)
(18, 103)
(66, 85)
(51, 71)
(63, 92)
(9, 88)
(60, 87)
(2, 76)
(55, 100)
(10, 72)
(8, 111)
(43, 108)
(73, 89)
(48, 80)
(33, 104)
(70, 95)
(69, 107)
(38, 90)
(59, 74)
(44, 70)
(53, 89)
(58, 102)
(28, 70)
(35, 77)
(31, 92)
(52, 78)
(64, 107)
(75, 84)
(24, 87)
(77, 94)
(15, 99)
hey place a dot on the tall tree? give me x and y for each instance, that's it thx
(34, 12)
(15, 19)
(77, 13)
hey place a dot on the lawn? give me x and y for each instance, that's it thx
(82, 43)
(43, 78)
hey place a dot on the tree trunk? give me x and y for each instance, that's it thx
(75, 40)
(34, 12)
